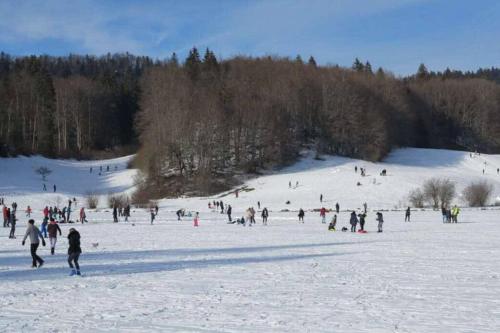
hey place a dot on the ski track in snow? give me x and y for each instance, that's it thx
(422, 276)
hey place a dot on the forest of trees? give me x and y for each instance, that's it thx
(199, 122)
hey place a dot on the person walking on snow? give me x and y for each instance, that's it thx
(301, 215)
(55, 188)
(380, 219)
(353, 221)
(228, 212)
(28, 211)
(337, 207)
(34, 234)
(115, 214)
(322, 213)
(196, 220)
(83, 216)
(13, 220)
(5, 216)
(152, 212)
(74, 251)
(265, 215)
(321, 198)
(407, 214)
(53, 228)
(45, 222)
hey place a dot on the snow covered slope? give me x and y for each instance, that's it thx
(334, 177)
(19, 182)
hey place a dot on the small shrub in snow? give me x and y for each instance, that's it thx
(118, 200)
(439, 191)
(446, 192)
(416, 198)
(92, 200)
(431, 191)
(478, 194)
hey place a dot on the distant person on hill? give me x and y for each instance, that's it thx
(179, 213)
(337, 207)
(115, 214)
(356, 169)
(322, 214)
(265, 215)
(221, 207)
(454, 213)
(407, 214)
(321, 198)
(44, 187)
(290, 184)
(444, 213)
(153, 215)
(13, 220)
(34, 234)
(28, 211)
(353, 221)
(365, 207)
(83, 216)
(196, 220)
(333, 223)
(53, 228)
(258, 204)
(380, 219)
(362, 218)
(5, 216)
(301, 215)
(228, 212)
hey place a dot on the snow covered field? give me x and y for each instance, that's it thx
(422, 276)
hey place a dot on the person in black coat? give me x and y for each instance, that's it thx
(74, 251)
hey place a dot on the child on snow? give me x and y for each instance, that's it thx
(196, 219)
(53, 228)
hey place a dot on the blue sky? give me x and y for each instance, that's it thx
(394, 34)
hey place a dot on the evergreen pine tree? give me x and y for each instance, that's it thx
(422, 72)
(312, 61)
(193, 63)
(368, 68)
(358, 65)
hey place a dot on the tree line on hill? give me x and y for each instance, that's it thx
(201, 121)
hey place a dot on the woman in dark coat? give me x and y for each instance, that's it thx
(74, 251)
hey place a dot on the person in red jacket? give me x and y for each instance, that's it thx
(322, 213)
(46, 212)
(83, 216)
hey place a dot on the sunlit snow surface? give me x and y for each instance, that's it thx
(423, 276)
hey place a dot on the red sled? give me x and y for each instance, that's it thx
(362, 231)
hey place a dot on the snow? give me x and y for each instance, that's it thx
(422, 276)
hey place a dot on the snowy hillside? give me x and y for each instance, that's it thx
(19, 182)
(421, 276)
(334, 177)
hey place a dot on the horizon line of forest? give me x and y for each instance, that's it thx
(196, 123)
